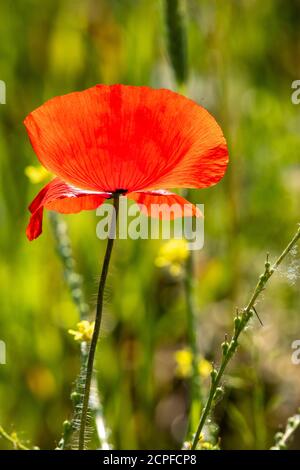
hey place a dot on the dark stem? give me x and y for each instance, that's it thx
(99, 308)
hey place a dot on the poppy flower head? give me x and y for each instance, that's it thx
(126, 139)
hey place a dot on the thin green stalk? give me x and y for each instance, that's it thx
(177, 49)
(177, 38)
(282, 439)
(195, 385)
(12, 439)
(74, 282)
(240, 323)
(99, 308)
(64, 251)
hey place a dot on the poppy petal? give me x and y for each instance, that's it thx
(108, 138)
(164, 205)
(60, 197)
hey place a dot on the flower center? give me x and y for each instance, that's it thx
(122, 192)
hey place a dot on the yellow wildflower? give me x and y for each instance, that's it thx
(204, 367)
(36, 174)
(183, 360)
(84, 331)
(172, 256)
(207, 446)
(184, 364)
(187, 445)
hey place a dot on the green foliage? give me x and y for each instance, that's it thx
(241, 62)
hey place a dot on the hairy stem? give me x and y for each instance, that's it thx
(74, 282)
(240, 323)
(99, 308)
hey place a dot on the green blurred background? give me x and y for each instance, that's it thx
(243, 57)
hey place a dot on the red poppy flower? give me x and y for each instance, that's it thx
(134, 140)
